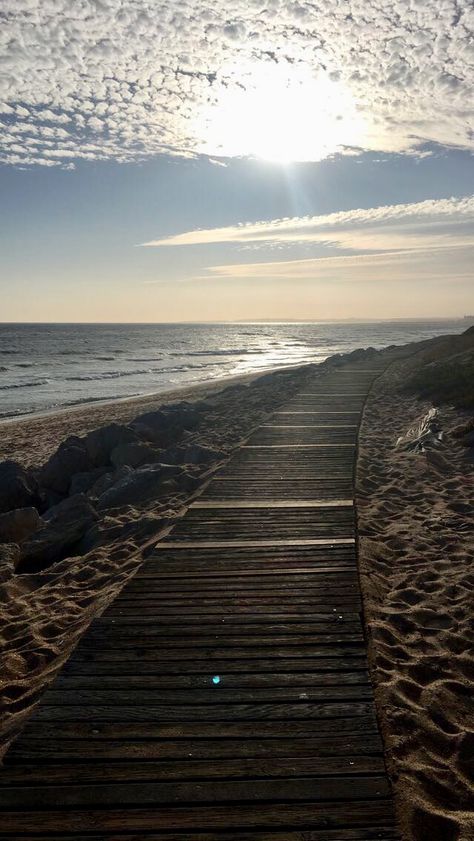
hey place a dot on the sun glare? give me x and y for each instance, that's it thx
(279, 113)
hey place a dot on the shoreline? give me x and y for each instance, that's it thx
(108, 401)
(50, 428)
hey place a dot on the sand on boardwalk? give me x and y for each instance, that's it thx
(415, 515)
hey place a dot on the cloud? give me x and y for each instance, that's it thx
(388, 265)
(128, 79)
(363, 239)
(332, 226)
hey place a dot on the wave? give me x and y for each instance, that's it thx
(3, 369)
(107, 375)
(234, 352)
(9, 352)
(24, 385)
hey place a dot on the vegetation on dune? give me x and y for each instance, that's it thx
(446, 372)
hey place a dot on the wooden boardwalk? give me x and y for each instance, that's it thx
(225, 693)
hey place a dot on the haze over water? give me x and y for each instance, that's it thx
(48, 366)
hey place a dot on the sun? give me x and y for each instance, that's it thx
(278, 112)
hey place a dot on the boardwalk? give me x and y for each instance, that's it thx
(225, 694)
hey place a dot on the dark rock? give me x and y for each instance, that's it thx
(17, 525)
(140, 485)
(100, 443)
(167, 425)
(107, 480)
(70, 458)
(18, 487)
(81, 483)
(191, 454)
(134, 455)
(64, 525)
(9, 558)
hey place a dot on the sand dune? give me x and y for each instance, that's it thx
(416, 556)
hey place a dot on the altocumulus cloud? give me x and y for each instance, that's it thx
(125, 79)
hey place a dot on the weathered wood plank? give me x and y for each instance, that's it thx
(102, 750)
(203, 712)
(214, 695)
(166, 793)
(242, 816)
(236, 682)
(212, 665)
(194, 769)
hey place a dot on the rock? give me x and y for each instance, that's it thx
(70, 458)
(134, 455)
(191, 454)
(101, 442)
(81, 483)
(18, 487)
(9, 558)
(167, 425)
(17, 525)
(140, 485)
(107, 480)
(65, 524)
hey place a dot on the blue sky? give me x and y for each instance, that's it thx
(128, 126)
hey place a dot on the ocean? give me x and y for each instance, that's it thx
(50, 366)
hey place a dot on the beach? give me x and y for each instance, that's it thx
(415, 559)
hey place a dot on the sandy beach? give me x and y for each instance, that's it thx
(416, 532)
(415, 539)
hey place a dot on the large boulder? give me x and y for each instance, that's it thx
(107, 480)
(142, 485)
(81, 483)
(65, 524)
(101, 442)
(70, 458)
(167, 424)
(17, 525)
(134, 455)
(18, 487)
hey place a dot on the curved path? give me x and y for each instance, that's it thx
(225, 693)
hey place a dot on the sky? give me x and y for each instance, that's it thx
(214, 161)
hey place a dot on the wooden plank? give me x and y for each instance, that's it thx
(242, 816)
(213, 694)
(204, 712)
(374, 834)
(230, 544)
(216, 791)
(230, 733)
(195, 769)
(236, 682)
(236, 505)
(295, 446)
(97, 750)
(213, 665)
